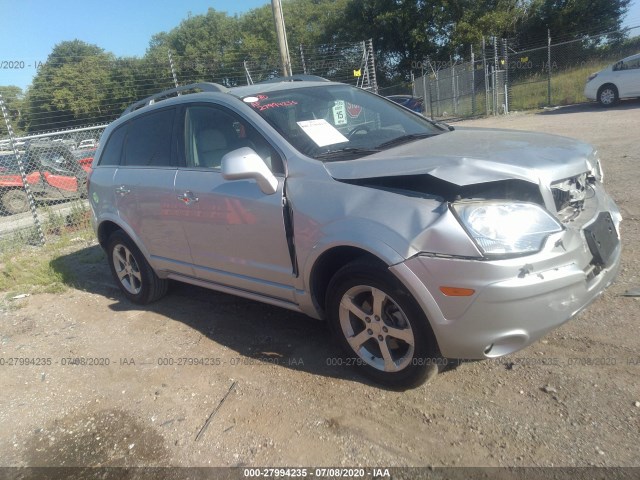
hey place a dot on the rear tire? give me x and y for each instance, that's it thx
(132, 272)
(15, 201)
(380, 326)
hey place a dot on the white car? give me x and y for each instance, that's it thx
(620, 80)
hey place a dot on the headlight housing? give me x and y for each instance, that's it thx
(502, 228)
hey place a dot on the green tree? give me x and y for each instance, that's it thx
(403, 32)
(204, 48)
(568, 19)
(13, 98)
(71, 88)
(215, 46)
(483, 18)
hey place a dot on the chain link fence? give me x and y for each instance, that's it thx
(456, 89)
(555, 74)
(43, 186)
(459, 89)
(504, 76)
(351, 63)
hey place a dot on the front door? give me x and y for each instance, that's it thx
(235, 232)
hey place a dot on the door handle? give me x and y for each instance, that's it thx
(188, 198)
(122, 190)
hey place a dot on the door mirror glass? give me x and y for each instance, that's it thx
(244, 163)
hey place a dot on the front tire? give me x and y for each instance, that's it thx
(132, 272)
(375, 318)
(608, 95)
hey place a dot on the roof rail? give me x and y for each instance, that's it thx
(205, 87)
(296, 78)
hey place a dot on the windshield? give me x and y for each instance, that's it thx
(339, 121)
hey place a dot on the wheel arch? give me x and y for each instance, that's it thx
(607, 84)
(108, 226)
(105, 230)
(326, 266)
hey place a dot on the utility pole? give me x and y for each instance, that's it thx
(278, 18)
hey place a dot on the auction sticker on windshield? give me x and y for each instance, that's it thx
(322, 132)
(339, 113)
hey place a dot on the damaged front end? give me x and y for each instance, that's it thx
(545, 250)
(524, 237)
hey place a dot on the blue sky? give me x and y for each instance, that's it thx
(29, 31)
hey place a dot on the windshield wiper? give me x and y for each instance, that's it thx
(346, 152)
(405, 139)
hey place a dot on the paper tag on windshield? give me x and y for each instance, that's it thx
(339, 113)
(322, 132)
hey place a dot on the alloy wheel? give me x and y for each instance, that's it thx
(127, 269)
(607, 96)
(376, 328)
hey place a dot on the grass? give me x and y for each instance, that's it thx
(30, 271)
(567, 88)
(28, 267)
(57, 224)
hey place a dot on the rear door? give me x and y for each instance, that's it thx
(144, 185)
(141, 157)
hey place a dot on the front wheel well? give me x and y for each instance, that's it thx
(326, 267)
(609, 84)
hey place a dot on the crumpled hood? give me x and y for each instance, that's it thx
(468, 156)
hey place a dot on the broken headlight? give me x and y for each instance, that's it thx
(503, 228)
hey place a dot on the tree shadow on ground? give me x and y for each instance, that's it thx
(256, 331)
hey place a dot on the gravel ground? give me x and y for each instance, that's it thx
(203, 378)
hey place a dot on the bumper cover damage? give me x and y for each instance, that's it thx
(518, 300)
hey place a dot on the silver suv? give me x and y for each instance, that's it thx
(416, 242)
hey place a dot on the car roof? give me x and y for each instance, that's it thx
(212, 90)
(256, 88)
(631, 57)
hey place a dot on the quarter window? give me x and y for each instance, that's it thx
(113, 150)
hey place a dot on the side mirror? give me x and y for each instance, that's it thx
(245, 163)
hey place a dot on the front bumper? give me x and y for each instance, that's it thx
(591, 90)
(516, 301)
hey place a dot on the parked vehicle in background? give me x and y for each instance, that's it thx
(51, 172)
(617, 81)
(69, 142)
(417, 242)
(88, 143)
(84, 158)
(412, 103)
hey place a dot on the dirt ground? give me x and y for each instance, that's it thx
(207, 379)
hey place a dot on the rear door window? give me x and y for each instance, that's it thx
(149, 140)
